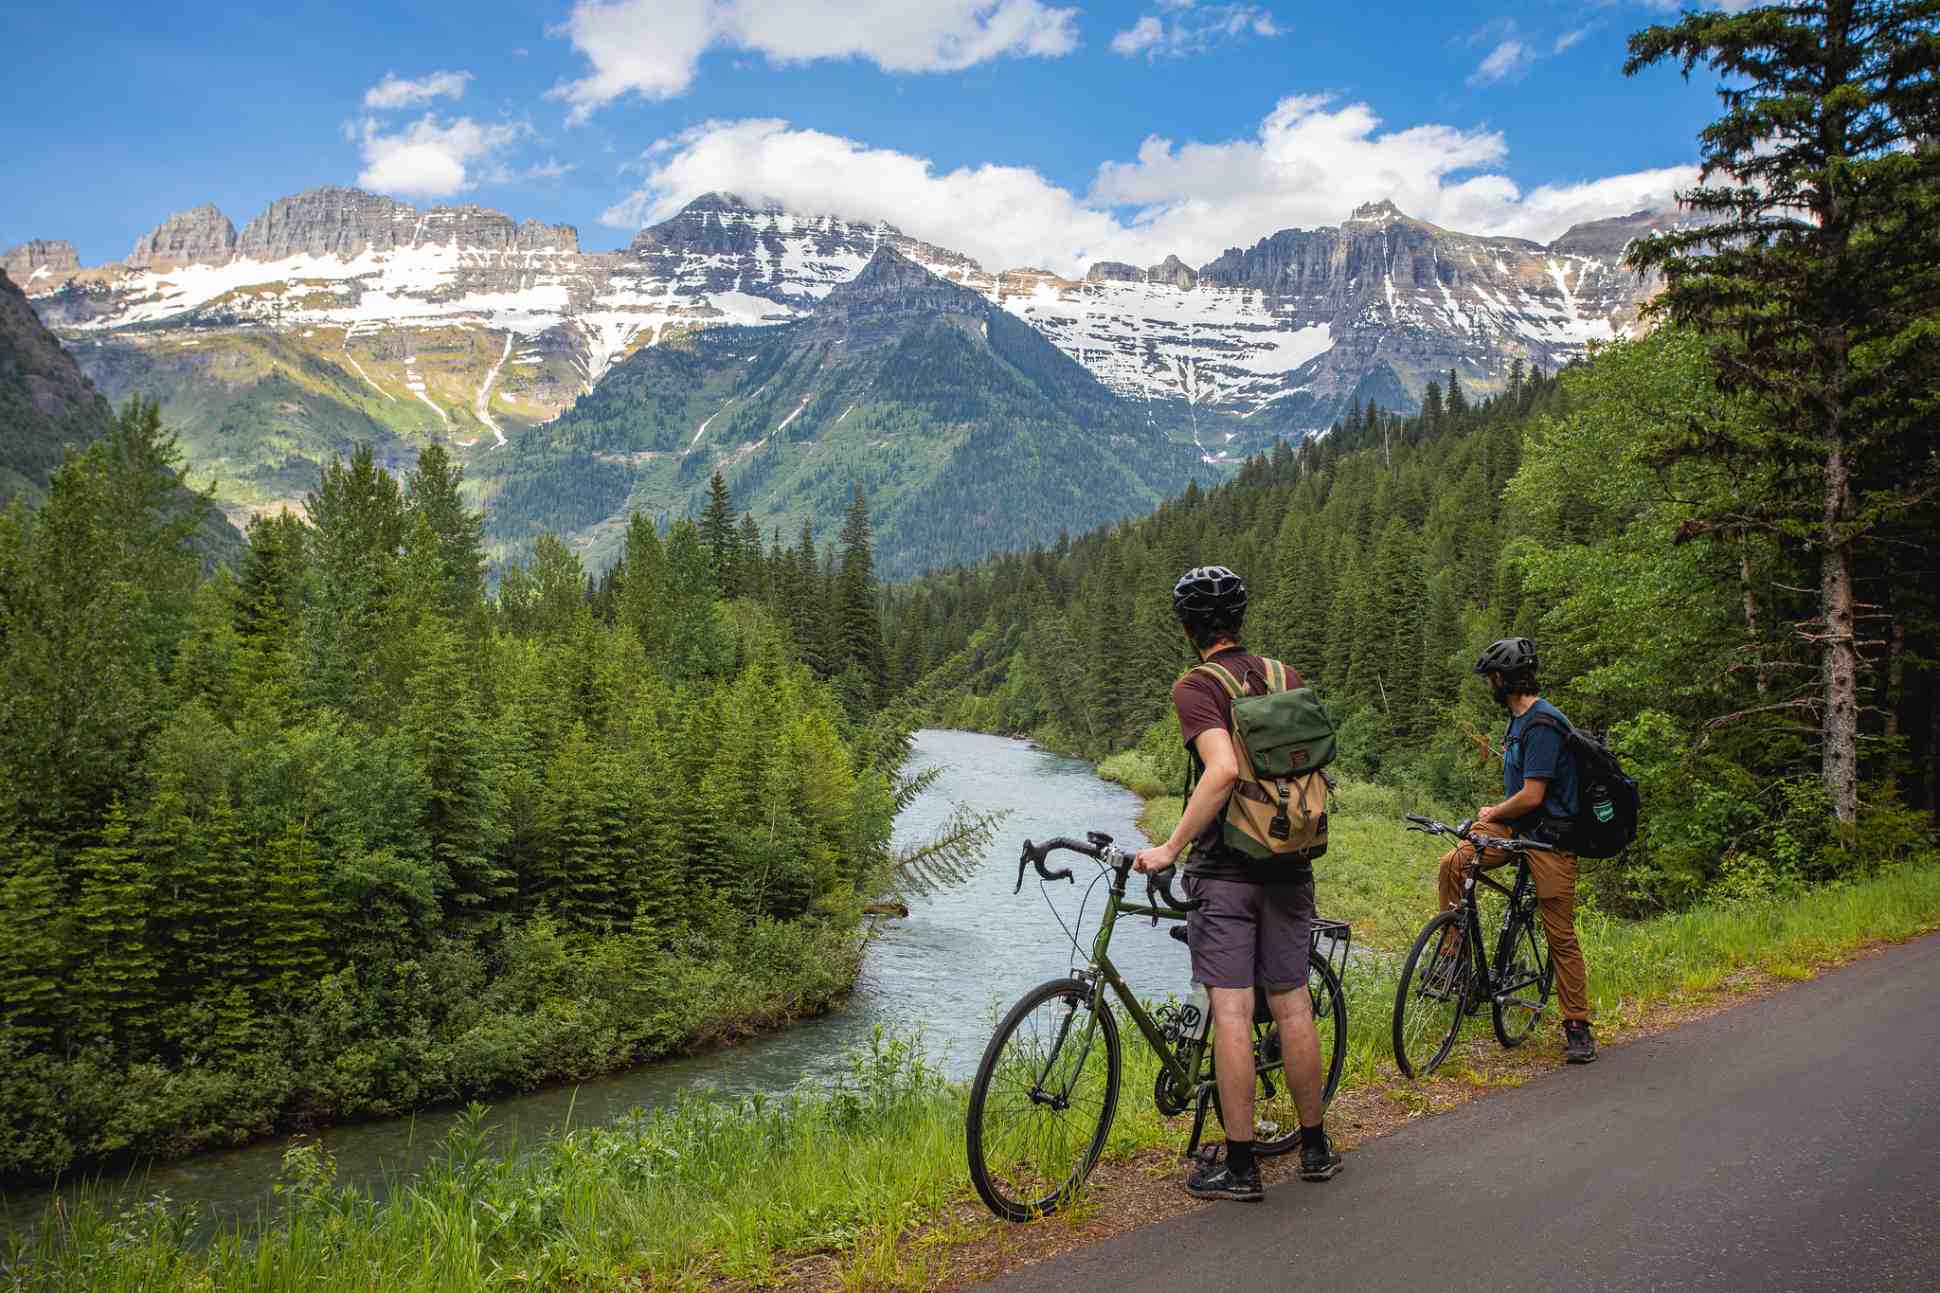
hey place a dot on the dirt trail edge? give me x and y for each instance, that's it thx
(1790, 1143)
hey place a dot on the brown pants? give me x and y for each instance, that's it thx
(1555, 877)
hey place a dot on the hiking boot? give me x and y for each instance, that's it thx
(1219, 1181)
(1579, 1046)
(1320, 1162)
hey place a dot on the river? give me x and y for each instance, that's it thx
(946, 970)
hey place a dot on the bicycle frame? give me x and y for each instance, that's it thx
(1504, 953)
(1100, 973)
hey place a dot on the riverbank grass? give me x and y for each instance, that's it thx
(708, 1192)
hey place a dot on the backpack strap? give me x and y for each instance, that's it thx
(1225, 677)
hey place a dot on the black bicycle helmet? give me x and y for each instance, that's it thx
(1507, 656)
(1209, 593)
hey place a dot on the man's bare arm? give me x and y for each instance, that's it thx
(1215, 748)
(1523, 802)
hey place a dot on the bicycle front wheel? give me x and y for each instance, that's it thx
(1525, 977)
(1275, 1117)
(1433, 995)
(1043, 1100)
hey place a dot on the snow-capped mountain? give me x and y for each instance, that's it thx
(1301, 313)
(338, 314)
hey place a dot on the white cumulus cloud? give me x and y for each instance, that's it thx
(429, 158)
(1507, 57)
(395, 91)
(653, 47)
(1192, 29)
(1310, 163)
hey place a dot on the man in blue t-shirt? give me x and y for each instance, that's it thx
(1539, 797)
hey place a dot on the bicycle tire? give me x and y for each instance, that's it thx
(1421, 1042)
(1023, 1160)
(1329, 1006)
(1515, 1018)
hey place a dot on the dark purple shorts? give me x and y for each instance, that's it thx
(1249, 934)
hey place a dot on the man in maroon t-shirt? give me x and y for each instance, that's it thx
(1255, 921)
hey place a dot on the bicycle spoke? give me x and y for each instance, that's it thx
(1041, 1105)
(1525, 983)
(1431, 1001)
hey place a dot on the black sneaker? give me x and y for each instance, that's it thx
(1320, 1162)
(1579, 1046)
(1219, 1181)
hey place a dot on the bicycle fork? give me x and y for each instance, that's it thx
(1061, 1100)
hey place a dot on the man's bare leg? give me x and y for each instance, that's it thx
(1233, 1059)
(1293, 1012)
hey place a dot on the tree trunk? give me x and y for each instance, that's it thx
(1751, 614)
(1840, 725)
(1895, 682)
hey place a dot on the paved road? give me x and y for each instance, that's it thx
(1793, 1143)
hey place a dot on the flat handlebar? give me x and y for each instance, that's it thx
(1466, 833)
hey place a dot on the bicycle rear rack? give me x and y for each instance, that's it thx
(1339, 940)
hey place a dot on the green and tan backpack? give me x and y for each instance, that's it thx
(1277, 811)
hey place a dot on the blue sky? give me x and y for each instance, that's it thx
(1020, 131)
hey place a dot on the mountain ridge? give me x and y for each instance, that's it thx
(337, 315)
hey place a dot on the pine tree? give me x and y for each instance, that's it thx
(114, 979)
(693, 647)
(639, 607)
(719, 539)
(35, 937)
(1457, 399)
(433, 494)
(857, 621)
(292, 932)
(357, 518)
(1431, 409)
(449, 743)
(1816, 277)
(95, 591)
(751, 574)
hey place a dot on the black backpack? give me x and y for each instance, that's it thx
(1606, 799)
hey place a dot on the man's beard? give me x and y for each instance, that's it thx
(1500, 691)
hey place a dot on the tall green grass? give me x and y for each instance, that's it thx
(707, 1189)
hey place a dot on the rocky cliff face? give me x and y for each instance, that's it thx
(202, 236)
(872, 308)
(42, 258)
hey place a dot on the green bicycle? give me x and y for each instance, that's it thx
(1047, 1088)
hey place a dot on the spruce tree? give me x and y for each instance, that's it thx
(719, 538)
(1431, 409)
(35, 937)
(116, 970)
(857, 621)
(751, 575)
(357, 518)
(433, 494)
(1816, 278)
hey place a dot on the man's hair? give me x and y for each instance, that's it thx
(1522, 682)
(1208, 632)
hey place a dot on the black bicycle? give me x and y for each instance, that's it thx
(1046, 1091)
(1448, 975)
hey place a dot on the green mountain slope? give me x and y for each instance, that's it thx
(968, 431)
(45, 403)
(47, 407)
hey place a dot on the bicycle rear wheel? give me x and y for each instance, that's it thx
(1526, 975)
(1042, 1101)
(1276, 1120)
(1433, 995)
